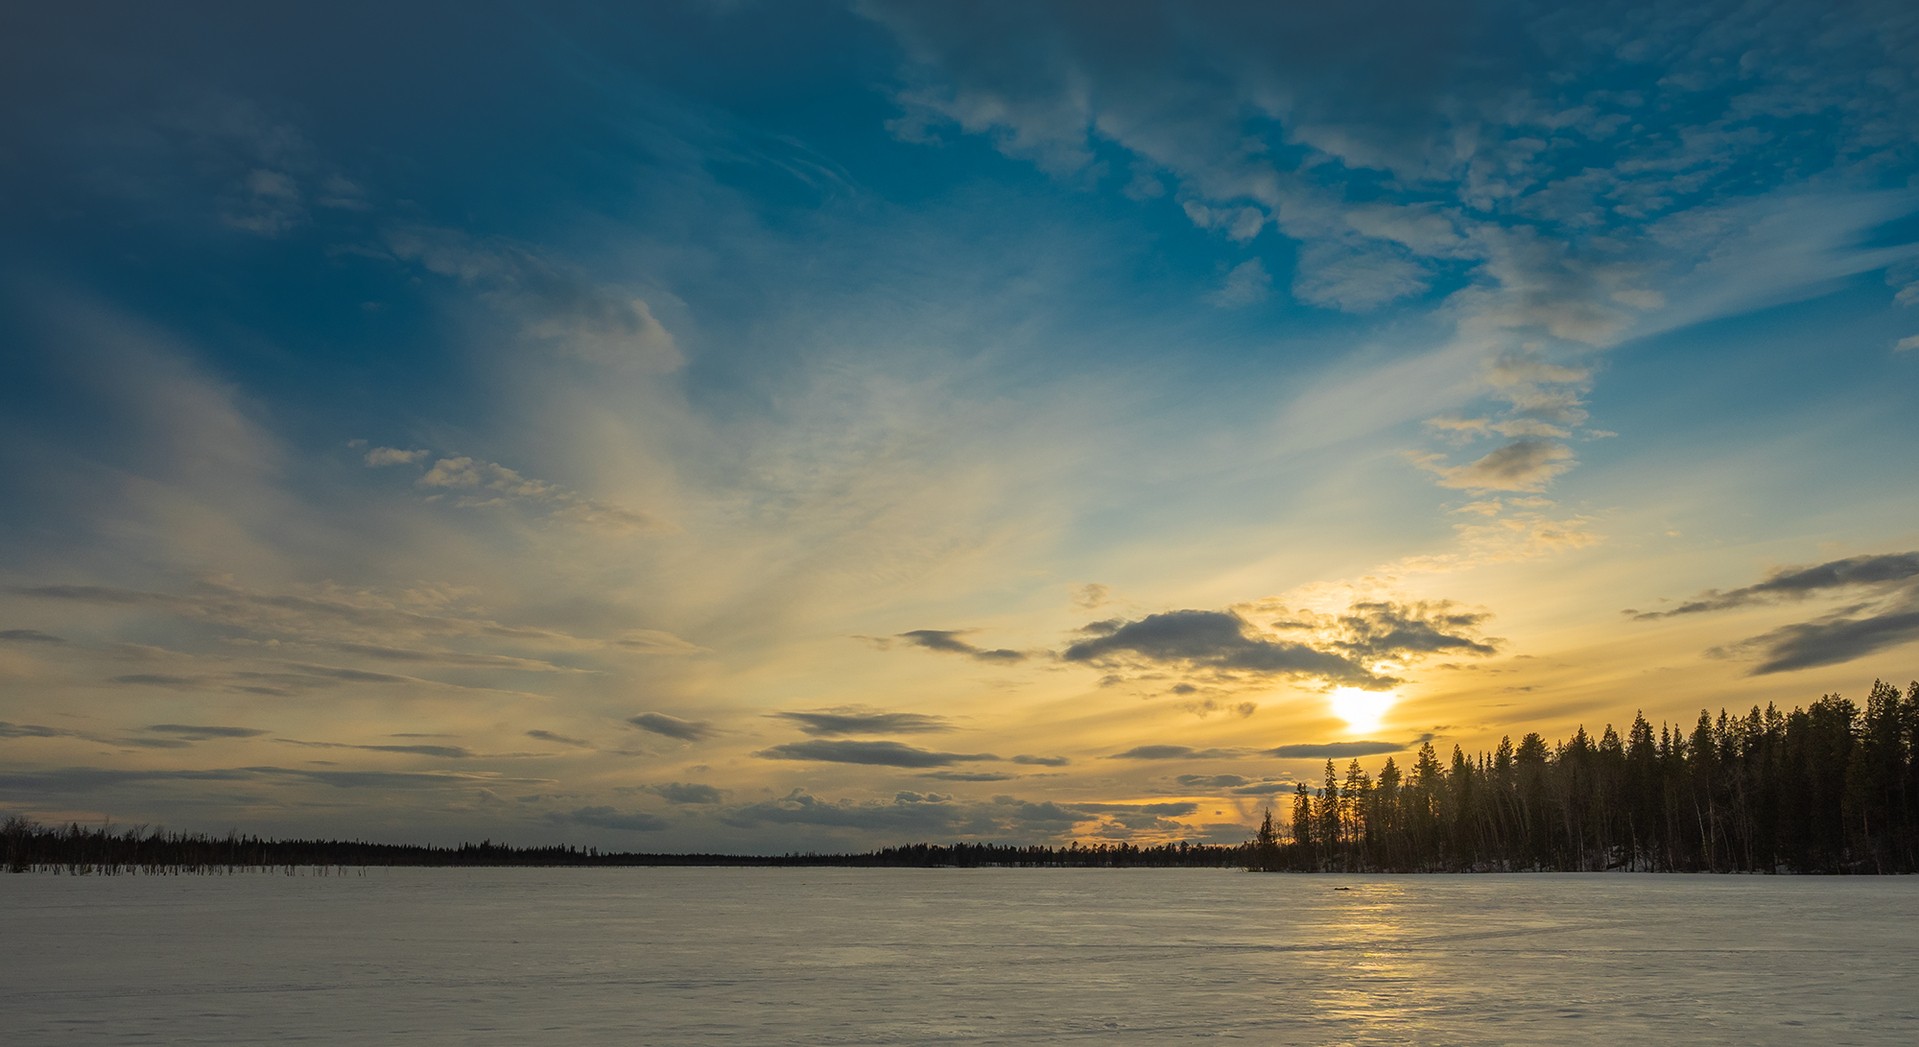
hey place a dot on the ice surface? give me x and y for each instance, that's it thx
(839, 956)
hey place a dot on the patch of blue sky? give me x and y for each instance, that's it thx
(773, 331)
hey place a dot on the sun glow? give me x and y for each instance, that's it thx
(1362, 710)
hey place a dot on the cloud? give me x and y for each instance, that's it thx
(1217, 640)
(384, 456)
(362, 621)
(1383, 629)
(1337, 750)
(1356, 277)
(673, 726)
(857, 721)
(555, 304)
(912, 815)
(270, 178)
(1509, 427)
(203, 732)
(1887, 615)
(244, 628)
(1212, 781)
(80, 780)
(509, 487)
(908, 814)
(875, 754)
(1040, 761)
(1504, 530)
(689, 792)
(1877, 569)
(559, 739)
(656, 641)
(29, 636)
(1526, 464)
(442, 657)
(1908, 343)
(1462, 146)
(444, 752)
(948, 640)
(1176, 752)
(1208, 706)
(1091, 596)
(610, 818)
(34, 730)
(1832, 640)
(1264, 789)
(175, 736)
(1171, 809)
(1246, 284)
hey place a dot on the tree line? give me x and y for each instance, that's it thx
(27, 845)
(1831, 788)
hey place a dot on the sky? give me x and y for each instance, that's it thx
(767, 426)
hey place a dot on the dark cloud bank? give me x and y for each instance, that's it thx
(1333, 648)
(949, 641)
(858, 721)
(1888, 615)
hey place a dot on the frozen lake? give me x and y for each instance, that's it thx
(840, 956)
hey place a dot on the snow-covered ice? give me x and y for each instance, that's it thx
(842, 956)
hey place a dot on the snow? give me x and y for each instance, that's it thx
(841, 956)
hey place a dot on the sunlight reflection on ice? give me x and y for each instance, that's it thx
(685, 956)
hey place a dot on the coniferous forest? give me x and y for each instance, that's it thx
(1831, 788)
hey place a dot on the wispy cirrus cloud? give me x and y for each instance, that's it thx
(1887, 617)
(1236, 784)
(944, 815)
(556, 304)
(1831, 640)
(856, 720)
(443, 752)
(915, 815)
(689, 793)
(1293, 751)
(1180, 752)
(1342, 750)
(608, 817)
(332, 614)
(869, 753)
(1246, 284)
(204, 732)
(1528, 464)
(380, 457)
(951, 641)
(478, 484)
(83, 781)
(673, 727)
(1794, 583)
(1435, 155)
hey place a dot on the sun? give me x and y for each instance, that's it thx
(1362, 710)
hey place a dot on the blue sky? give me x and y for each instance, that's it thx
(754, 426)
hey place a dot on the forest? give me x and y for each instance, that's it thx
(1831, 788)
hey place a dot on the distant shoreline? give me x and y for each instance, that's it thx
(74, 851)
